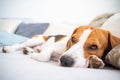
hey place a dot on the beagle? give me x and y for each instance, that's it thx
(86, 47)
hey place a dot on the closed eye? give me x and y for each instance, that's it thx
(93, 47)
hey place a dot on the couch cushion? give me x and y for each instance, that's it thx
(30, 29)
(113, 57)
(99, 20)
(113, 24)
(9, 38)
(10, 25)
(60, 28)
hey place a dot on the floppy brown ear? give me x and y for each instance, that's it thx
(68, 44)
(114, 41)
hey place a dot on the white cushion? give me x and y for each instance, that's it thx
(10, 25)
(16, 66)
(60, 28)
(113, 24)
(100, 19)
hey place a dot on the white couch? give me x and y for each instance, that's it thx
(16, 66)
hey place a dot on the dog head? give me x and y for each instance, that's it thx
(85, 42)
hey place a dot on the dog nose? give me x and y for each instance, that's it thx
(66, 61)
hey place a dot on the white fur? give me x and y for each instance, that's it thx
(77, 52)
(50, 49)
(46, 51)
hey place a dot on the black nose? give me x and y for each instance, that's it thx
(66, 61)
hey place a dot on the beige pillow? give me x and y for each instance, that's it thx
(99, 20)
(10, 25)
(113, 24)
(113, 57)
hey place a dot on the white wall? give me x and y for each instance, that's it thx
(66, 11)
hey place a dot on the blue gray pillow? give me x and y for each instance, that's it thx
(30, 29)
(10, 39)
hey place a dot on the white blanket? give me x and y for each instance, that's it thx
(16, 66)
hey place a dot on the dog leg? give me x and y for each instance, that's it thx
(44, 55)
(46, 51)
(28, 50)
(29, 43)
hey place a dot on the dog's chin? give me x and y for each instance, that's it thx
(76, 65)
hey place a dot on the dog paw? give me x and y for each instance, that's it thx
(37, 49)
(95, 62)
(7, 49)
(28, 50)
(36, 57)
(39, 57)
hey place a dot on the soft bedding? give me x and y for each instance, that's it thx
(10, 39)
(23, 32)
(10, 25)
(30, 29)
(16, 66)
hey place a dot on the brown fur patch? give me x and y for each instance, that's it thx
(45, 38)
(57, 37)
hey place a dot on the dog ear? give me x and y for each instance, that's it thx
(68, 44)
(71, 39)
(112, 42)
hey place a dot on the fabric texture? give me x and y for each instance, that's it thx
(113, 24)
(100, 20)
(113, 57)
(30, 29)
(16, 66)
(10, 25)
(60, 28)
(10, 39)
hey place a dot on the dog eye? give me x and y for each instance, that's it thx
(73, 40)
(93, 47)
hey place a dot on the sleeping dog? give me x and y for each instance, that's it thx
(86, 47)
